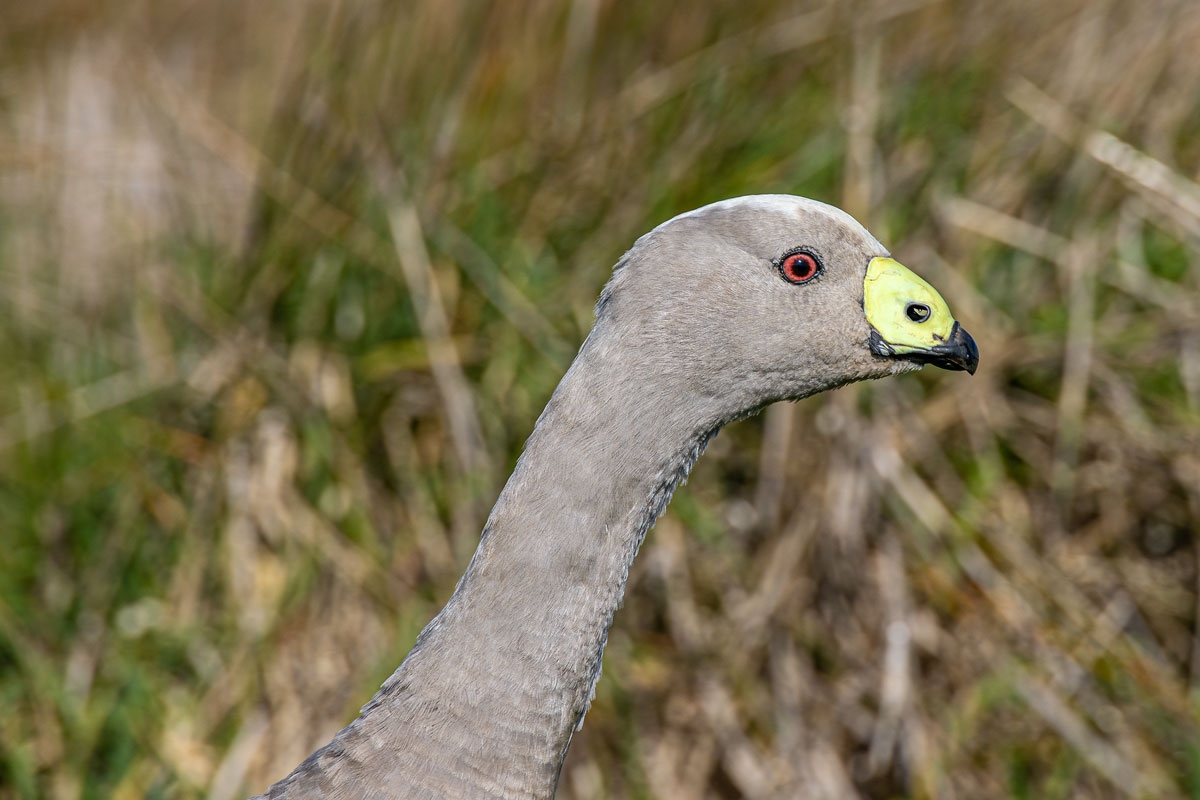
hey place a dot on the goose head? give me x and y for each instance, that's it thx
(773, 297)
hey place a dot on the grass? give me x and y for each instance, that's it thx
(286, 286)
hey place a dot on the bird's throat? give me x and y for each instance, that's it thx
(500, 679)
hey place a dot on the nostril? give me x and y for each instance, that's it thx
(918, 312)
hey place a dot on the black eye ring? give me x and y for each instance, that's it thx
(800, 266)
(918, 312)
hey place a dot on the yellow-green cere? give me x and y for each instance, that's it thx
(903, 308)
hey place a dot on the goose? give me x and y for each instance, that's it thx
(708, 318)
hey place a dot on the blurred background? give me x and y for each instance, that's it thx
(285, 285)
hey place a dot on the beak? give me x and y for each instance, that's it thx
(958, 353)
(911, 321)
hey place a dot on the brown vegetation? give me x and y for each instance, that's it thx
(287, 283)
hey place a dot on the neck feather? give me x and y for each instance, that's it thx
(487, 701)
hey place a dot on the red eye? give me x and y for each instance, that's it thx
(800, 267)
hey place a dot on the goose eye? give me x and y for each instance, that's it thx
(800, 267)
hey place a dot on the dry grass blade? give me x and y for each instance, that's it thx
(435, 327)
(1159, 184)
(1104, 758)
(1001, 227)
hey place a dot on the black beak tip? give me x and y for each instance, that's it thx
(970, 350)
(958, 354)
